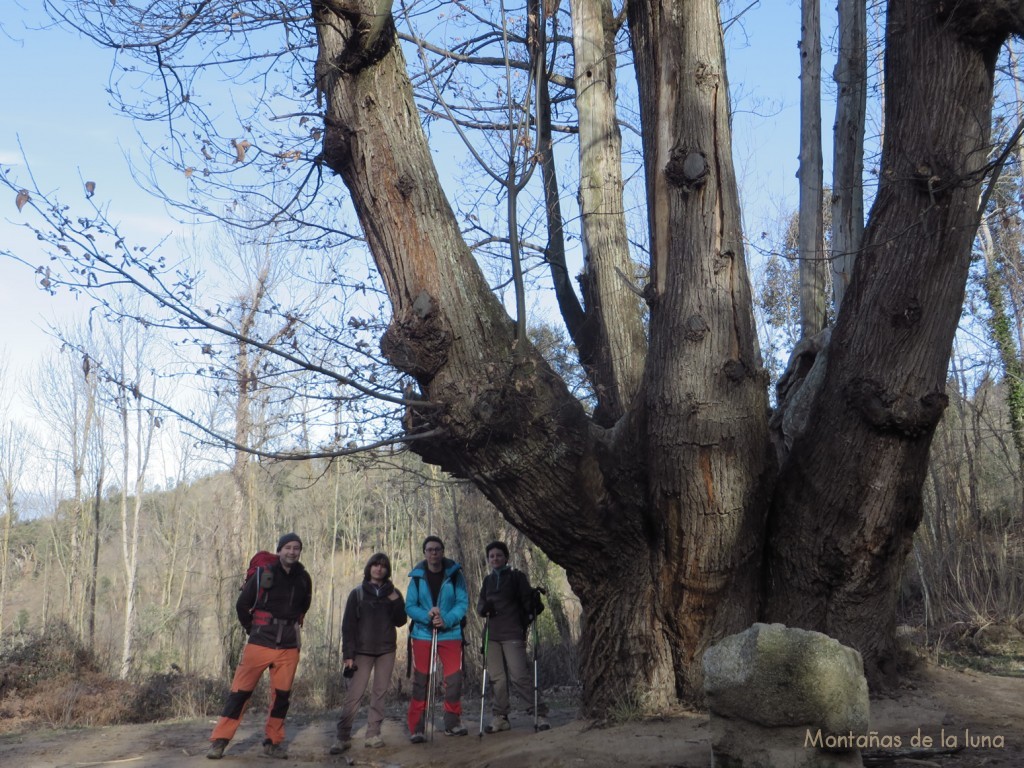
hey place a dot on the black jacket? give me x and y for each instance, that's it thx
(272, 616)
(370, 620)
(505, 594)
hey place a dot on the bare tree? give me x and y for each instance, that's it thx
(66, 404)
(14, 456)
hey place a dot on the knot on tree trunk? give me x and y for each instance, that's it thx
(415, 342)
(687, 169)
(902, 415)
(797, 389)
(503, 404)
(907, 314)
(368, 29)
(983, 22)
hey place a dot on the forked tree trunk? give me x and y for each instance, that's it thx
(659, 520)
(849, 496)
(663, 552)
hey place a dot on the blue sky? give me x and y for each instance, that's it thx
(57, 107)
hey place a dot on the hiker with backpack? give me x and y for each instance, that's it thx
(510, 605)
(375, 609)
(437, 600)
(271, 607)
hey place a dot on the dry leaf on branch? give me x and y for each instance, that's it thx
(21, 199)
(240, 147)
(90, 188)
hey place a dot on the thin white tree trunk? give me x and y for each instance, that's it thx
(813, 316)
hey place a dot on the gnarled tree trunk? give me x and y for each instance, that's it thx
(849, 495)
(655, 520)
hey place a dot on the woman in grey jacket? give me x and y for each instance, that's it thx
(375, 609)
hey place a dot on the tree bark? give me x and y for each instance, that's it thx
(660, 567)
(851, 76)
(613, 308)
(849, 495)
(813, 316)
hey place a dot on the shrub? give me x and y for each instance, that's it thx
(29, 659)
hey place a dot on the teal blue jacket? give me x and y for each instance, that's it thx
(453, 601)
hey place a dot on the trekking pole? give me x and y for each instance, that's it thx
(536, 655)
(431, 681)
(483, 685)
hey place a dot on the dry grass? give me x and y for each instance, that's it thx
(49, 679)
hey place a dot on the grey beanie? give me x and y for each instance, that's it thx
(287, 538)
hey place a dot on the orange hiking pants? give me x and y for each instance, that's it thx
(255, 660)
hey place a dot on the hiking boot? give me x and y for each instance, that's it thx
(374, 742)
(280, 751)
(417, 738)
(543, 724)
(456, 730)
(340, 746)
(498, 723)
(217, 747)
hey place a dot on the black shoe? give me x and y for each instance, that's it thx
(417, 738)
(456, 730)
(217, 747)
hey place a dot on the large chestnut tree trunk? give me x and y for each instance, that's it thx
(675, 524)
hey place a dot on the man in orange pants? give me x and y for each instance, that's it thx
(270, 607)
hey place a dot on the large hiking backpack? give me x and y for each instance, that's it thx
(260, 566)
(536, 606)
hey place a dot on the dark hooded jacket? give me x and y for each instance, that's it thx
(505, 599)
(272, 617)
(370, 620)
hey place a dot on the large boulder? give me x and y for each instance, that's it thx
(785, 697)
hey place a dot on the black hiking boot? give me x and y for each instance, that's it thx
(217, 747)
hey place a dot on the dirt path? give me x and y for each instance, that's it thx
(986, 710)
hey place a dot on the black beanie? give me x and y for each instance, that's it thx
(287, 538)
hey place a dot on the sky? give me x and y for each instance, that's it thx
(57, 115)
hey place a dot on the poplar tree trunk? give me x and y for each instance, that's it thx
(813, 315)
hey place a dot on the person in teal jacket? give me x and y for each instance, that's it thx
(437, 599)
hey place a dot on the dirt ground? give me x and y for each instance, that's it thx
(984, 713)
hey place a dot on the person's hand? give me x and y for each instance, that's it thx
(438, 622)
(349, 663)
(488, 610)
